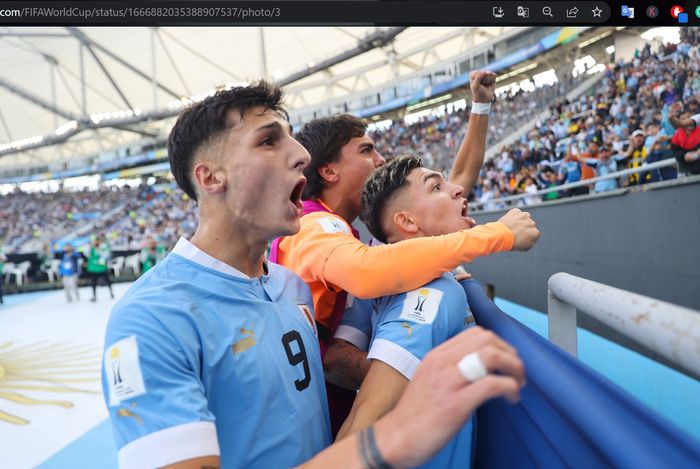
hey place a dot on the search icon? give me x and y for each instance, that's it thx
(547, 11)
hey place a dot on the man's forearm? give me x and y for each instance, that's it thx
(470, 156)
(345, 365)
(678, 123)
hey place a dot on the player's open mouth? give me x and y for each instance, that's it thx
(297, 192)
(465, 208)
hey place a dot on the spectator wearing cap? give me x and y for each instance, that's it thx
(635, 156)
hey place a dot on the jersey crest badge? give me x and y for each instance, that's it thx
(306, 312)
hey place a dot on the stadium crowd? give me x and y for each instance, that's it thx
(162, 213)
(437, 137)
(28, 216)
(622, 122)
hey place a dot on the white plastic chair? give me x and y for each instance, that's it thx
(117, 264)
(20, 271)
(52, 271)
(133, 262)
(8, 270)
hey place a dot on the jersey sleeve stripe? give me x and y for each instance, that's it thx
(171, 445)
(395, 356)
(355, 336)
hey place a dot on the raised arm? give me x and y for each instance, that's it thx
(371, 272)
(470, 156)
(681, 122)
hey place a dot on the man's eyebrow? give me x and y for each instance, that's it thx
(271, 126)
(366, 145)
(432, 175)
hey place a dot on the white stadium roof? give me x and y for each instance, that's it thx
(52, 77)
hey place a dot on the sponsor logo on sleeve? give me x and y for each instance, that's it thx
(421, 305)
(123, 370)
(333, 225)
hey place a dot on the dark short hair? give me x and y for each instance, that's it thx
(381, 187)
(323, 139)
(205, 121)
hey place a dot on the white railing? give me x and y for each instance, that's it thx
(668, 330)
(646, 167)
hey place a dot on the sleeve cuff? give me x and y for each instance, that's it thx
(171, 445)
(395, 356)
(355, 336)
(508, 235)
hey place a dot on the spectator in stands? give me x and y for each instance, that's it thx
(570, 172)
(547, 179)
(685, 143)
(98, 264)
(605, 164)
(636, 156)
(70, 272)
(530, 187)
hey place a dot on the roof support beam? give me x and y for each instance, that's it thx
(86, 40)
(373, 41)
(88, 45)
(36, 100)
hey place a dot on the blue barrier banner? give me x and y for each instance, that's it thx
(569, 415)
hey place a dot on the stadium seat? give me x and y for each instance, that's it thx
(7, 270)
(20, 271)
(133, 262)
(117, 264)
(52, 271)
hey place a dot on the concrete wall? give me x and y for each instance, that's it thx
(644, 241)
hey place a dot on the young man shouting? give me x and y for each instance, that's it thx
(401, 201)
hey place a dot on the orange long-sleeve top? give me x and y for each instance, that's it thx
(330, 259)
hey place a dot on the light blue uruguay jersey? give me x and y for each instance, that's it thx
(202, 360)
(406, 327)
(356, 324)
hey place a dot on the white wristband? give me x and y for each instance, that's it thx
(481, 108)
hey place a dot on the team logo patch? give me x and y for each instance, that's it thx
(306, 311)
(421, 305)
(333, 225)
(123, 370)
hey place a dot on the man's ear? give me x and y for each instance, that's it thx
(328, 172)
(209, 178)
(405, 221)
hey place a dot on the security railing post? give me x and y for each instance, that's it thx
(562, 324)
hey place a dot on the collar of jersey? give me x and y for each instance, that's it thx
(191, 252)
